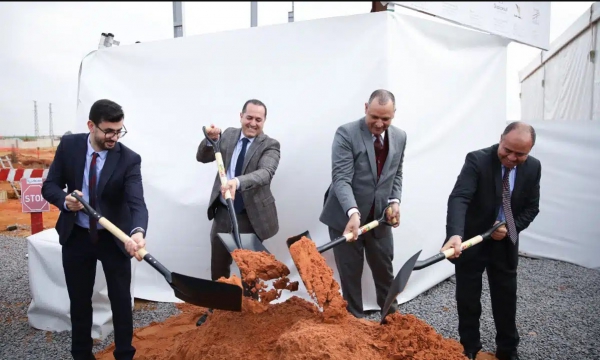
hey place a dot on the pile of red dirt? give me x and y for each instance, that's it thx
(295, 329)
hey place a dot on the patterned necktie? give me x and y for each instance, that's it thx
(378, 144)
(92, 197)
(510, 221)
(238, 203)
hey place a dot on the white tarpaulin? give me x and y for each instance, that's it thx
(563, 84)
(450, 85)
(49, 307)
(566, 227)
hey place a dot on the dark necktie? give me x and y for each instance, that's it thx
(238, 203)
(378, 150)
(510, 221)
(92, 198)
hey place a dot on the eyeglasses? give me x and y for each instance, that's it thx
(110, 132)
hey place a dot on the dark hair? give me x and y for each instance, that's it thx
(518, 125)
(106, 110)
(383, 96)
(254, 102)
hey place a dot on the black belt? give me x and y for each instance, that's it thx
(80, 228)
(223, 206)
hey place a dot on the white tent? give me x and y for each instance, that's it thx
(560, 97)
(450, 85)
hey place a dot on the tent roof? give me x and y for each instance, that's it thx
(589, 17)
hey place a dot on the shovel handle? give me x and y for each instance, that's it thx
(363, 229)
(220, 162)
(474, 240)
(107, 224)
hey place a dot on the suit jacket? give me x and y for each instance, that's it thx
(476, 198)
(260, 163)
(120, 195)
(354, 175)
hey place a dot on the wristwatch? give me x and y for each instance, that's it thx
(137, 231)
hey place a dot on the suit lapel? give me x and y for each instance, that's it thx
(230, 147)
(497, 171)
(252, 150)
(112, 159)
(368, 140)
(81, 152)
(390, 155)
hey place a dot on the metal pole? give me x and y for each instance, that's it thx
(178, 19)
(253, 13)
(51, 126)
(291, 14)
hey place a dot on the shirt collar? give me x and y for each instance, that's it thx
(90, 150)
(382, 136)
(242, 136)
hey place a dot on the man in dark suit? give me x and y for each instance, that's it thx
(367, 157)
(250, 158)
(498, 183)
(107, 175)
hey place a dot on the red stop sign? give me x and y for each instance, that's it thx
(31, 196)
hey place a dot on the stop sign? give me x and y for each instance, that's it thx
(31, 196)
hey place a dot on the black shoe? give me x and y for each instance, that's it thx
(505, 356)
(204, 317)
(470, 355)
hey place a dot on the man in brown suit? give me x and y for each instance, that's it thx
(251, 158)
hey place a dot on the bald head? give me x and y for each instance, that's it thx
(516, 142)
(522, 129)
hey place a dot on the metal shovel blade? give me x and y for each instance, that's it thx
(249, 242)
(398, 284)
(296, 238)
(207, 293)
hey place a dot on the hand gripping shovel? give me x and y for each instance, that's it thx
(363, 229)
(235, 240)
(401, 279)
(200, 292)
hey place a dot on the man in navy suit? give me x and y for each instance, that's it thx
(107, 175)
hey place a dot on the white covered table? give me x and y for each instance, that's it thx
(49, 308)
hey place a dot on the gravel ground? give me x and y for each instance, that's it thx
(558, 313)
(18, 340)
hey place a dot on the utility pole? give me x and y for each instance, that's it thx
(178, 19)
(253, 13)
(51, 126)
(35, 119)
(291, 14)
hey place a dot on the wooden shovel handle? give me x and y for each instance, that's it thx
(107, 224)
(220, 162)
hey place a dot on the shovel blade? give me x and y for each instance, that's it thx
(398, 284)
(207, 293)
(296, 238)
(249, 242)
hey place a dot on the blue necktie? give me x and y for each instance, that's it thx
(238, 203)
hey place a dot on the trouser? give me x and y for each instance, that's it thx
(502, 278)
(220, 260)
(349, 259)
(79, 258)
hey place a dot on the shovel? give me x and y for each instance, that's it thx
(200, 292)
(401, 279)
(363, 229)
(235, 240)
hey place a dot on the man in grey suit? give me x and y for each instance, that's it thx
(367, 158)
(251, 158)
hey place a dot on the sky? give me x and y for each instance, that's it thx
(43, 43)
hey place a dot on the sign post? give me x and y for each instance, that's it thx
(33, 202)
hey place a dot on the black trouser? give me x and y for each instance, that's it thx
(220, 258)
(350, 258)
(79, 258)
(502, 277)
